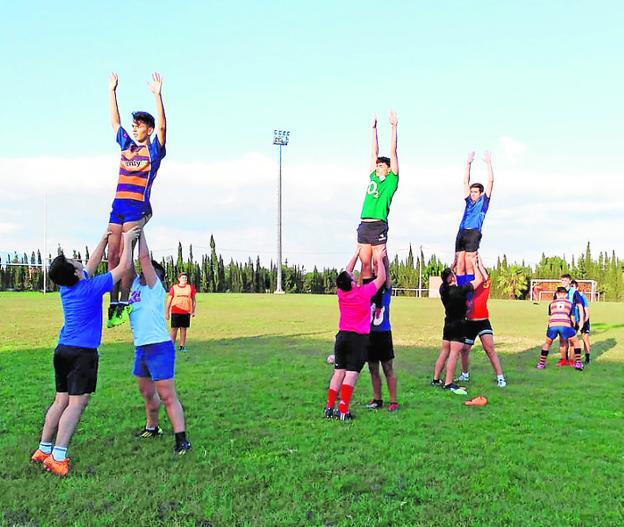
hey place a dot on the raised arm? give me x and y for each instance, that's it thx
(394, 157)
(161, 122)
(97, 254)
(381, 269)
(469, 160)
(483, 270)
(351, 263)
(487, 158)
(125, 262)
(375, 145)
(112, 87)
(478, 279)
(151, 278)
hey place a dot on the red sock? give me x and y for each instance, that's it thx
(345, 398)
(331, 398)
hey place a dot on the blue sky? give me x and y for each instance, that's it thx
(538, 83)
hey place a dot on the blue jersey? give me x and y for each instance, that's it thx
(581, 299)
(380, 320)
(575, 297)
(147, 318)
(474, 213)
(82, 310)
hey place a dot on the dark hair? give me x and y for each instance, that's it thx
(562, 290)
(574, 283)
(385, 160)
(479, 186)
(180, 275)
(343, 281)
(63, 272)
(445, 275)
(144, 117)
(566, 275)
(160, 270)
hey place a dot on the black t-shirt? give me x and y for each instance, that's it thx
(454, 299)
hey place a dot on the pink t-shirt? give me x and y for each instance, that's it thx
(355, 308)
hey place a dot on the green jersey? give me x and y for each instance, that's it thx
(379, 196)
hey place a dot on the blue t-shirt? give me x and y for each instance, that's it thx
(576, 297)
(474, 213)
(382, 321)
(138, 167)
(82, 310)
(147, 318)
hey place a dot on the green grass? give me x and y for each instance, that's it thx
(547, 450)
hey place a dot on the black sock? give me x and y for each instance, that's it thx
(180, 437)
(586, 356)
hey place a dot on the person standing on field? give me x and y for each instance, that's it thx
(181, 307)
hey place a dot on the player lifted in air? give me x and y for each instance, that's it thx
(140, 161)
(468, 238)
(372, 233)
(560, 322)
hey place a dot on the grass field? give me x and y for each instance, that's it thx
(546, 451)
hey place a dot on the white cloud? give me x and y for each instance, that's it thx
(531, 211)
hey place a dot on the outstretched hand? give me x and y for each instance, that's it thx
(132, 234)
(487, 156)
(470, 157)
(392, 117)
(113, 82)
(156, 85)
(374, 121)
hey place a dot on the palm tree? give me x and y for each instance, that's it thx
(513, 281)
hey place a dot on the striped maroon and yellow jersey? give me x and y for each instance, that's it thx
(559, 312)
(137, 167)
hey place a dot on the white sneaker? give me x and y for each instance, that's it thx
(501, 383)
(464, 377)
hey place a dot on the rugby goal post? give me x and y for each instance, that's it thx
(544, 289)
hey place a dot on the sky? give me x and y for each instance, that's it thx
(538, 83)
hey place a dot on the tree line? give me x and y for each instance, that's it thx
(210, 274)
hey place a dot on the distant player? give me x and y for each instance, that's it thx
(140, 161)
(154, 363)
(586, 327)
(380, 349)
(351, 347)
(579, 316)
(477, 200)
(76, 356)
(455, 300)
(372, 233)
(560, 323)
(181, 304)
(478, 325)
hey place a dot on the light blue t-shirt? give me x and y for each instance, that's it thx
(82, 310)
(474, 213)
(382, 321)
(147, 318)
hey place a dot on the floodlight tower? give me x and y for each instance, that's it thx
(280, 138)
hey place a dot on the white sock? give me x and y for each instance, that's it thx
(46, 448)
(466, 373)
(500, 377)
(59, 453)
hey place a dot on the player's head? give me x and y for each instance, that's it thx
(565, 280)
(65, 271)
(344, 281)
(574, 284)
(476, 190)
(561, 292)
(448, 277)
(183, 279)
(159, 270)
(383, 166)
(143, 125)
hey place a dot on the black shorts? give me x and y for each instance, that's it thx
(350, 351)
(380, 347)
(454, 330)
(468, 240)
(476, 328)
(180, 320)
(372, 232)
(586, 328)
(75, 369)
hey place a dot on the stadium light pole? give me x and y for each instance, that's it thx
(280, 138)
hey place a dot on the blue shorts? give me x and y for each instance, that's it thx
(156, 361)
(129, 210)
(561, 331)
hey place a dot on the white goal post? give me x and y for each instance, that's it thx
(544, 289)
